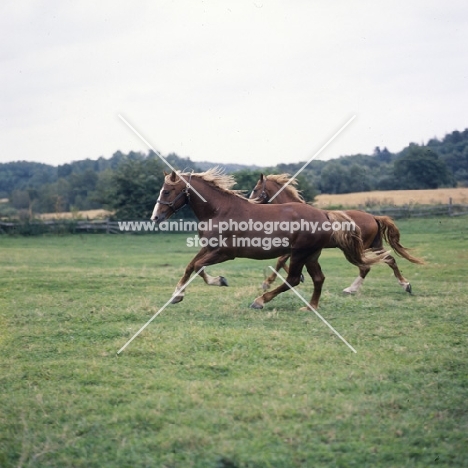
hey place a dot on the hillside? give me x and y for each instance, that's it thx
(128, 183)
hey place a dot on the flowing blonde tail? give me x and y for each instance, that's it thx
(348, 239)
(391, 235)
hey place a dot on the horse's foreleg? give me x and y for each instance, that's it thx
(203, 258)
(293, 279)
(357, 283)
(281, 263)
(213, 280)
(179, 292)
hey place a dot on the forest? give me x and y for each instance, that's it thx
(128, 184)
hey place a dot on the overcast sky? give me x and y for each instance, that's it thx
(253, 82)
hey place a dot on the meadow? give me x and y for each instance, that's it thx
(213, 383)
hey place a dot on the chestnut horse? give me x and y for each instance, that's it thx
(373, 229)
(223, 214)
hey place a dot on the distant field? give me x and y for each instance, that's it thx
(212, 383)
(88, 214)
(394, 197)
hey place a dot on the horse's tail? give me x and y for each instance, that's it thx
(391, 235)
(349, 240)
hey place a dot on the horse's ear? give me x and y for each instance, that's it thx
(165, 173)
(261, 177)
(173, 176)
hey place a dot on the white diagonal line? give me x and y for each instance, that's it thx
(158, 154)
(312, 158)
(177, 291)
(316, 313)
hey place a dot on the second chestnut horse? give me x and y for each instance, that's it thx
(374, 229)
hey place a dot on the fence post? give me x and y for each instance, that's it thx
(450, 206)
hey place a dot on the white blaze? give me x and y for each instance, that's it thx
(153, 216)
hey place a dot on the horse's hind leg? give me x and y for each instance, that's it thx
(372, 239)
(293, 279)
(403, 282)
(315, 272)
(363, 271)
(281, 263)
(377, 247)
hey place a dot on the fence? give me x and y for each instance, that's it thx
(112, 227)
(59, 226)
(417, 211)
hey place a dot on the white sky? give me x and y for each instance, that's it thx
(252, 82)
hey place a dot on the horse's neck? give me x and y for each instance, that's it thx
(285, 196)
(217, 201)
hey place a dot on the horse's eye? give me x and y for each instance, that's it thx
(166, 192)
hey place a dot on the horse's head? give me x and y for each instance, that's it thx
(173, 196)
(279, 188)
(260, 190)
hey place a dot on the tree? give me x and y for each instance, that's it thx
(382, 155)
(357, 179)
(246, 180)
(20, 199)
(306, 188)
(82, 185)
(333, 178)
(135, 187)
(64, 170)
(421, 168)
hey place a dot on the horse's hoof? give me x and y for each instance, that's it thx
(265, 286)
(177, 299)
(408, 289)
(223, 281)
(348, 291)
(256, 305)
(305, 309)
(302, 278)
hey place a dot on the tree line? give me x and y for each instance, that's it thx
(128, 184)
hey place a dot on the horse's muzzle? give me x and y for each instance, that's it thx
(158, 219)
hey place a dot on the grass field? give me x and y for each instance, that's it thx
(212, 383)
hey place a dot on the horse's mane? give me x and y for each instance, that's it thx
(283, 179)
(215, 177)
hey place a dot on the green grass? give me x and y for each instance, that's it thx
(213, 383)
